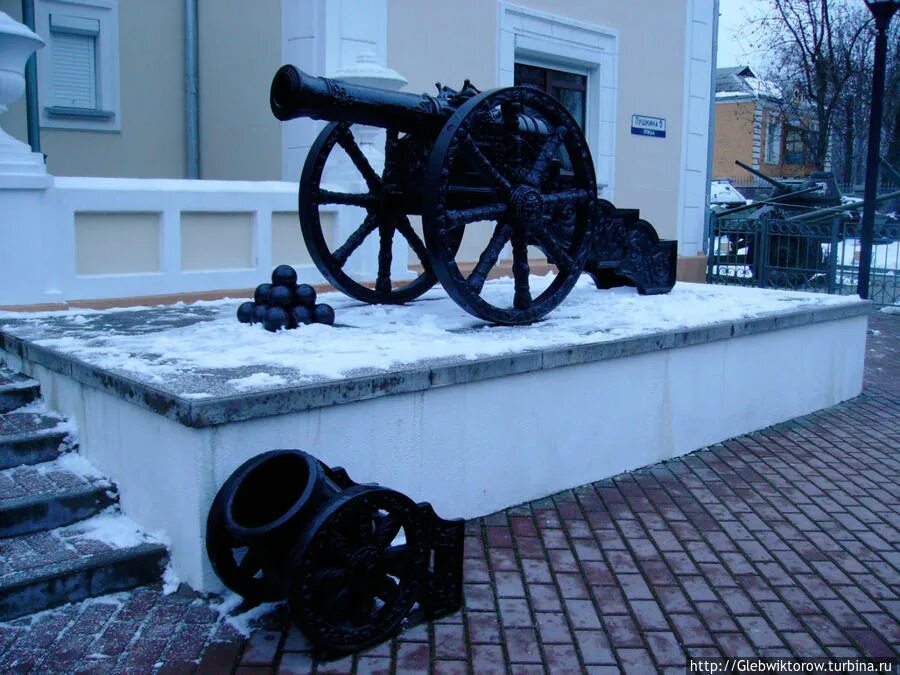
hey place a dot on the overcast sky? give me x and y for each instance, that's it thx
(734, 48)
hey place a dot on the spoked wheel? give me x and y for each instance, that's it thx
(234, 563)
(512, 164)
(383, 218)
(357, 570)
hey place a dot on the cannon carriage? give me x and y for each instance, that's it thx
(509, 163)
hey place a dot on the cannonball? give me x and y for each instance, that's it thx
(305, 295)
(276, 318)
(324, 314)
(284, 275)
(246, 312)
(259, 313)
(261, 296)
(302, 315)
(281, 296)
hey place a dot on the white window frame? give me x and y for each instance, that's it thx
(550, 41)
(774, 133)
(107, 114)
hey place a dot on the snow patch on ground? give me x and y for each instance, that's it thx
(72, 462)
(244, 622)
(171, 582)
(38, 407)
(891, 309)
(110, 527)
(66, 425)
(117, 599)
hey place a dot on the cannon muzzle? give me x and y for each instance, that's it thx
(296, 94)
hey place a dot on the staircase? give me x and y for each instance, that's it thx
(62, 538)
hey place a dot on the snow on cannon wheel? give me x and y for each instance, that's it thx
(352, 560)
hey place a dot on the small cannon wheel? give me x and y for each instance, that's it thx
(381, 220)
(356, 572)
(513, 164)
(231, 560)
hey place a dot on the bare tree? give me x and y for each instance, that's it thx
(815, 50)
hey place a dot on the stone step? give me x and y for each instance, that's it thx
(100, 555)
(50, 495)
(16, 390)
(29, 438)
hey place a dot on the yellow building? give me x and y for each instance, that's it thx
(753, 125)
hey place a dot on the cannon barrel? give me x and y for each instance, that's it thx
(779, 199)
(784, 187)
(821, 213)
(296, 94)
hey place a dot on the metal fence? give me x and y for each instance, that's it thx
(821, 256)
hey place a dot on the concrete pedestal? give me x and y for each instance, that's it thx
(469, 434)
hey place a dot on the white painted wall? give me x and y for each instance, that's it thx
(474, 448)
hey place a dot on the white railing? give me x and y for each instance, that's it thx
(169, 200)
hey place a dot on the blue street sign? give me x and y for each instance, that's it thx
(642, 125)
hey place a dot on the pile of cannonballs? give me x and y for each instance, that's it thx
(284, 303)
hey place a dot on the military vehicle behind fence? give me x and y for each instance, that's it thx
(789, 231)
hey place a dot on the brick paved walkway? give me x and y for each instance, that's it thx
(781, 542)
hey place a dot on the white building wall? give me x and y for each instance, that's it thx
(698, 64)
(149, 142)
(429, 40)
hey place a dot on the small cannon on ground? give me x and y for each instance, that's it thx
(511, 162)
(351, 560)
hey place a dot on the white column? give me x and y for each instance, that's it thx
(695, 129)
(344, 40)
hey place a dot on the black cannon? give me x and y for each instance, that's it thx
(352, 560)
(511, 160)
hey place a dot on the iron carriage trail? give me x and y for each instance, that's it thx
(513, 158)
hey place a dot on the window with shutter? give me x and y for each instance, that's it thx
(74, 70)
(78, 78)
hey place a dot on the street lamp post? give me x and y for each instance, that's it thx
(882, 10)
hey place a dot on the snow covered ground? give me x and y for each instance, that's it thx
(200, 350)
